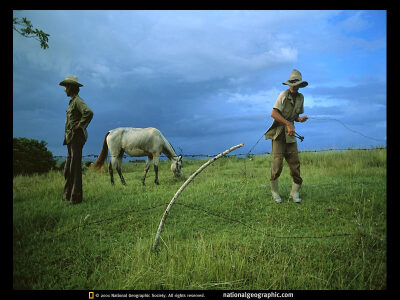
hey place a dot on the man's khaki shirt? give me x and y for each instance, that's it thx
(78, 113)
(290, 110)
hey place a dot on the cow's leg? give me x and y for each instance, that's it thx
(119, 166)
(146, 169)
(156, 161)
(110, 170)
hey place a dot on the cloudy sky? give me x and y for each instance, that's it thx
(206, 79)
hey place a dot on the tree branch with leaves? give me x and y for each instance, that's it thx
(24, 27)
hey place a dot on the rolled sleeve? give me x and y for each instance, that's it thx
(279, 105)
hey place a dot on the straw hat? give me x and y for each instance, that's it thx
(70, 79)
(295, 79)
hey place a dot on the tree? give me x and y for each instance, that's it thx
(31, 156)
(24, 27)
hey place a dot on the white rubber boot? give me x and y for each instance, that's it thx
(294, 194)
(274, 191)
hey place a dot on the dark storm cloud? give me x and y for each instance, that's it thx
(206, 79)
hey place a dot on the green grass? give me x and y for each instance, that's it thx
(223, 232)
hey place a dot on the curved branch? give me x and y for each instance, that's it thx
(164, 217)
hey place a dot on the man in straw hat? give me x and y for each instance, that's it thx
(78, 118)
(286, 110)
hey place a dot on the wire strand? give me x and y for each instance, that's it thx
(347, 127)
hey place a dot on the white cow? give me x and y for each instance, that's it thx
(137, 142)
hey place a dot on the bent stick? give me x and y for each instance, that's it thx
(164, 217)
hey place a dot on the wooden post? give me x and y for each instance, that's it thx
(164, 217)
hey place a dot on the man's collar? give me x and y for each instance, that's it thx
(290, 96)
(72, 98)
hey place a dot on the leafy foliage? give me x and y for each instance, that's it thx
(27, 31)
(31, 156)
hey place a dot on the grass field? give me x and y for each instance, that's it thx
(224, 231)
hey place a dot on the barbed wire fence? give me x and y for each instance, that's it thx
(228, 219)
(248, 154)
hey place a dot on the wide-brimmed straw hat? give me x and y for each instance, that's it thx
(295, 79)
(70, 79)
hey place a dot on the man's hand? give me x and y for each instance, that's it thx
(279, 118)
(290, 129)
(302, 119)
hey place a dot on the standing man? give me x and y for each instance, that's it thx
(286, 110)
(78, 118)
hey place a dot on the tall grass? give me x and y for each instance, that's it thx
(224, 231)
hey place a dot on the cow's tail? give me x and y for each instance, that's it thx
(103, 155)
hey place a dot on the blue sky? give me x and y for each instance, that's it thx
(206, 79)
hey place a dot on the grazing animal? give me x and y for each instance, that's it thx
(137, 142)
